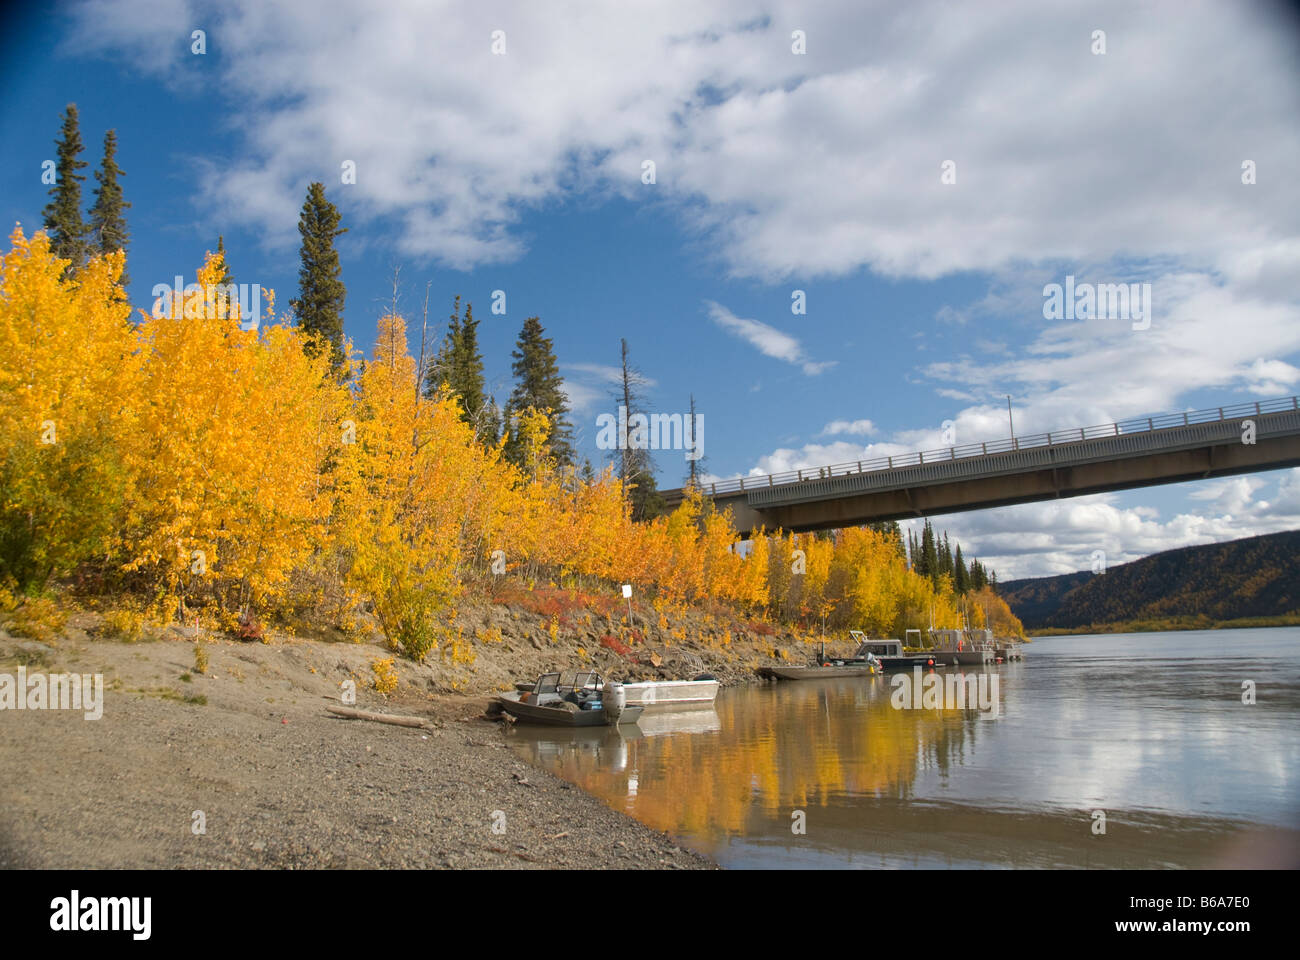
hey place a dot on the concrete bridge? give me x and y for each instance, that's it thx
(1171, 448)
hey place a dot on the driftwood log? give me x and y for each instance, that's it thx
(377, 717)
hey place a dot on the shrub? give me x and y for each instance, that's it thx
(385, 681)
(613, 643)
(125, 625)
(38, 618)
(250, 628)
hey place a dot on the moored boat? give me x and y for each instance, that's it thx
(1009, 649)
(818, 671)
(661, 693)
(861, 664)
(891, 655)
(580, 701)
(967, 648)
(671, 693)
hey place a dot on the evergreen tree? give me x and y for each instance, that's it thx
(63, 223)
(491, 431)
(636, 469)
(107, 217)
(440, 371)
(467, 370)
(929, 554)
(320, 286)
(899, 545)
(226, 276)
(458, 367)
(961, 579)
(945, 558)
(539, 386)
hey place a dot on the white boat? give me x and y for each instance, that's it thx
(670, 693)
(662, 693)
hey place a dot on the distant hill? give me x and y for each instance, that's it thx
(1254, 578)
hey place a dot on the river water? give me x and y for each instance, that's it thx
(1123, 750)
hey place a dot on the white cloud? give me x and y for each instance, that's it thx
(769, 341)
(1271, 378)
(583, 399)
(862, 428)
(607, 373)
(1059, 536)
(1205, 333)
(791, 165)
(786, 459)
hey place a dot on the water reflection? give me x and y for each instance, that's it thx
(718, 768)
(1149, 729)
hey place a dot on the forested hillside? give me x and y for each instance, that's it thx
(1252, 578)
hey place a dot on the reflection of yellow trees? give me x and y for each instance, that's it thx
(775, 752)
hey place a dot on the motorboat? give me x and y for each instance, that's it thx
(891, 655)
(861, 664)
(661, 693)
(579, 700)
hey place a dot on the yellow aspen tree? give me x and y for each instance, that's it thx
(402, 488)
(68, 373)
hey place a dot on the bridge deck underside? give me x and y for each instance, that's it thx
(1027, 476)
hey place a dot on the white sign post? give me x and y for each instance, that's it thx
(627, 593)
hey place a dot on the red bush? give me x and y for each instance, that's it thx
(613, 643)
(250, 628)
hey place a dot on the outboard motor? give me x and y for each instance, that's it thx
(614, 699)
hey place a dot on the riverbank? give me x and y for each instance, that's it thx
(241, 766)
(1168, 625)
(247, 741)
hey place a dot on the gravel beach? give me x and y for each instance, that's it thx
(274, 781)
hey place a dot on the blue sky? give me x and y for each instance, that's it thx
(775, 172)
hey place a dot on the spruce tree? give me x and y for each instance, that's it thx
(961, 579)
(491, 429)
(467, 370)
(897, 532)
(321, 293)
(929, 555)
(458, 367)
(636, 469)
(63, 223)
(226, 276)
(108, 215)
(538, 386)
(440, 371)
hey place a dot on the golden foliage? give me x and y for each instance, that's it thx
(385, 676)
(207, 465)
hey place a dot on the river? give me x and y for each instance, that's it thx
(1122, 750)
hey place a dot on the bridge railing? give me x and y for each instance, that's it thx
(1164, 421)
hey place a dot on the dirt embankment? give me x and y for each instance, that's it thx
(242, 766)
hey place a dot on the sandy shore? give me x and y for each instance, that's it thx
(273, 778)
